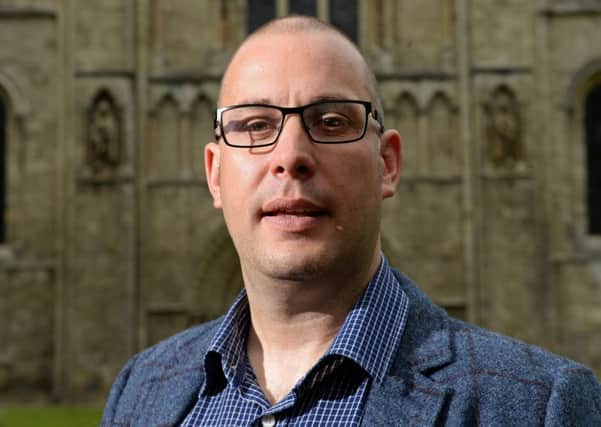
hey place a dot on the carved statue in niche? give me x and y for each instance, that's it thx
(504, 130)
(104, 144)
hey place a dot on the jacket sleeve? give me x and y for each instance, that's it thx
(115, 396)
(575, 399)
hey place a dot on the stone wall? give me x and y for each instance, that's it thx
(113, 243)
(29, 89)
(27, 303)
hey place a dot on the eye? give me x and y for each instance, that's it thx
(331, 124)
(258, 125)
(333, 121)
(258, 128)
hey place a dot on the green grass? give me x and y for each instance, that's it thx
(50, 416)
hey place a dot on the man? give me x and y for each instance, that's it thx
(326, 333)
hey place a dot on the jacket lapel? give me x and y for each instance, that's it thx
(172, 392)
(169, 398)
(396, 402)
(408, 396)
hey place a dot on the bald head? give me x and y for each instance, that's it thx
(306, 25)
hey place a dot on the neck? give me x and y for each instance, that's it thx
(294, 318)
(293, 324)
(285, 312)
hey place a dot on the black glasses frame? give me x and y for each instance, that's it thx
(218, 123)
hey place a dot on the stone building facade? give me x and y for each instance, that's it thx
(108, 239)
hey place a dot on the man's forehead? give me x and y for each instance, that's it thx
(324, 95)
(275, 51)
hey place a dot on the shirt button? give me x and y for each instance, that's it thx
(268, 420)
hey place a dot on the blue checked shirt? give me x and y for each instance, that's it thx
(332, 393)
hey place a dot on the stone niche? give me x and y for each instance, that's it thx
(504, 131)
(104, 139)
(100, 255)
(105, 131)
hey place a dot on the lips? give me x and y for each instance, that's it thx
(292, 214)
(296, 207)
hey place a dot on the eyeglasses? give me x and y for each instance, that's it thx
(326, 122)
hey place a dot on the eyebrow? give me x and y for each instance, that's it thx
(253, 101)
(318, 98)
(330, 98)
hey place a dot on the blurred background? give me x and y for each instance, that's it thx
(108, 238)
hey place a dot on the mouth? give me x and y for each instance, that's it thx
(293, 214)
(292, 207)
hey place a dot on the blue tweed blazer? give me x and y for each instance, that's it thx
(446, 372)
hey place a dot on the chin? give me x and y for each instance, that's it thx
(296, 268)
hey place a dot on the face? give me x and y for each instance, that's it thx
(298, 210)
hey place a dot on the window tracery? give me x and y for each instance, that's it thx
(3, 170)
(592, 123)
(340, 13)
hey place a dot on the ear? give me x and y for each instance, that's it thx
(212, 162)
(392, 159)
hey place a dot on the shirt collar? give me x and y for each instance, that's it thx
(369, 336)
(229, 343)
(373, 329)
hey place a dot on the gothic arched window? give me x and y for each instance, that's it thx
(3, 173)
(592, 123)
(258, 13)
(344, 15)
(303, 7)
(340, 13)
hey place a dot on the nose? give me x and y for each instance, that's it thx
(293, 155)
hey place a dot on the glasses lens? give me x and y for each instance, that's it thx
(335, 121)
(250, 126)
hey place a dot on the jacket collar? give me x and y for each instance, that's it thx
(407, 396)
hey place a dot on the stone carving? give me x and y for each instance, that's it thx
(407, 115)
(442, 143)
(166, 139)
(104, 145)
(504, 130)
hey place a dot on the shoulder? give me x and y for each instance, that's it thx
(507, 376)
(192, 342)
(469, 346)
(492, 375)
(174, 365)
(496, 355)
